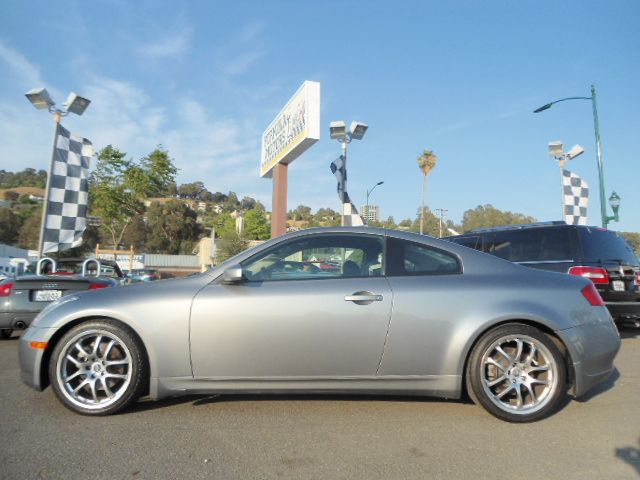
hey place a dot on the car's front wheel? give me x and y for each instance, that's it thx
(98, 368)
(517, 373)
(5, 334)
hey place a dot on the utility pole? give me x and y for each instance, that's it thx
(441, 213)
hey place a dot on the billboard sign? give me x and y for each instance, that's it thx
(294, 129)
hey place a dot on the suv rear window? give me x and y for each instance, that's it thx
(604, 245)
(531, 245)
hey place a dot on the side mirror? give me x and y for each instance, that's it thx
(233, 275)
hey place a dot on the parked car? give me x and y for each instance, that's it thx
(23, 297)
(601, 255)
(144, 275)
(403, 313)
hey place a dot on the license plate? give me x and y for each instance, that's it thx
(618, 285)
(47, 295)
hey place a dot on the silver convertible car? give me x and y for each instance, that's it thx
(357, 310)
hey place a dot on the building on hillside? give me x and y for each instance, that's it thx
(14, 260)
(370, 213)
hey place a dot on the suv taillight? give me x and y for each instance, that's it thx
(593, 297)
(96, 286)
(5, 290)
(637, 279)
(595, 274)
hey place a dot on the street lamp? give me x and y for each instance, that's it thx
(614, 202)
(367, 206)
(40, 99)
(338, 131)
(596, 127)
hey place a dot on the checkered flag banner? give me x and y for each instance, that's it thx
(576, 198)
(349, 211)
(68, 192)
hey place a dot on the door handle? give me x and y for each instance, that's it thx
(368, 297)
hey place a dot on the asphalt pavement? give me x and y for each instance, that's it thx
(319, 437)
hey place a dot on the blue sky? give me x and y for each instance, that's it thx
(204, 79)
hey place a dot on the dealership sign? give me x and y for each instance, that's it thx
(294, 129)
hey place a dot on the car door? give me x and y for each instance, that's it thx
(428, 297)
(312, 306)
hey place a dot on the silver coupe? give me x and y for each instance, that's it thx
(348, 310)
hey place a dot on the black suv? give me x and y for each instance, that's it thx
(595, 253)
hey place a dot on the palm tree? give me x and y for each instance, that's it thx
(427, 162)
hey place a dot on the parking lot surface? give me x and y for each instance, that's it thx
(264, 437)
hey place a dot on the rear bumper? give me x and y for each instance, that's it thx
(593, 348)
(622, 310)
(14, 320)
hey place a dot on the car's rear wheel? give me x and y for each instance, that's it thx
(517, 373)
(98, 368)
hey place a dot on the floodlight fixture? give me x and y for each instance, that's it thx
(338, 130)
(575, 151)
(556, 149)
(358, 129)
(40, 98)
(77, 104)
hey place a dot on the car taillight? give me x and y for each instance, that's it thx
(96, 286)
(593, 297)
(595, 274)
(637, 279)
(5, 290)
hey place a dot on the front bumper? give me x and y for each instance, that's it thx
(31, 359)
(592, 347)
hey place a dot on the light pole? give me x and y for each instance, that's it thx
(367, 205)
(596, 127)
(338, 131)
(441, 212)
(40, 99)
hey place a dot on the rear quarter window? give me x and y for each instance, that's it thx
(405, 258)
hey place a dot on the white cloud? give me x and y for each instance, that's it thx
(27, 73)
(169, 46)
(241, 64)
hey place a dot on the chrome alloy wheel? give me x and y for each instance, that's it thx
(519, 374)
(94, 369)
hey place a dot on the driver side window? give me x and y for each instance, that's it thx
(318, 257)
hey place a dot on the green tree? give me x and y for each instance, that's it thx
(172, 227)
(301, 212)
(230, 244)
(256, 226)
(29, 236)
(633, 239)
(136, 234)
(484, 216)
(9, 226)
(119, 187)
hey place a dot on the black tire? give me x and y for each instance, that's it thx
(526, 383)
(5, 334)
(98, 368)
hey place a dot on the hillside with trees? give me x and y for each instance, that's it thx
(138, 203)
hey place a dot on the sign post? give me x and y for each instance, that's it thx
(290, 134)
